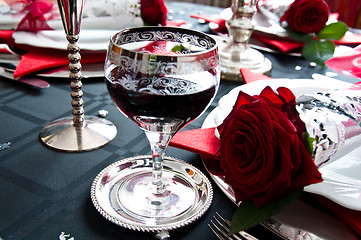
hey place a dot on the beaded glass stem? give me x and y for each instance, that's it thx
(78, 133)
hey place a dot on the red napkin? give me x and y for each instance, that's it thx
(211, 18)
(175, 23)
(205, 143)
(222, 28)
(280, 44)
(38, 59)
(348, 64)
(201, 141)
(249, 76)
(6, 37)
(349, 38)
(351, 217)
(284, 45)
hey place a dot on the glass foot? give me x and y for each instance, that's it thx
(63, 135)
(122, 194)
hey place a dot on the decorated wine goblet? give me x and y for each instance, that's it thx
(161, 78)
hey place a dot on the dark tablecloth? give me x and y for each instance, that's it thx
(44, 192)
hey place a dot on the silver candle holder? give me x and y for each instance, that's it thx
(237, 53)
(78, 133)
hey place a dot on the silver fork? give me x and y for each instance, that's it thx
(220, 227)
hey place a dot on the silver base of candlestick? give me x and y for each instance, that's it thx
(64, 135)
(233, 58)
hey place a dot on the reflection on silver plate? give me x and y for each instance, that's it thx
(105, 197)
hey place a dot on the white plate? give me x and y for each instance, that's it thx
(89, 39)
(261, 23)
(342, 181)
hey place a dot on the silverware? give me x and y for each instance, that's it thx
(220, 227)
(35, 82)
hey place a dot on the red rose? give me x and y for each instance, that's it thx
(153, 12)
(306, 16)
(261, 152)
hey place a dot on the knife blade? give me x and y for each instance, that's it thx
(35, 82)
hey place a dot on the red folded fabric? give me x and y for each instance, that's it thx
(205, 143)
(348, 63)
(200, 141)
(175, 23)
(249, 76)
(349, 38)
(38, 59)
(351, 217)
(282, 45)
(6, 37)
(210, 18)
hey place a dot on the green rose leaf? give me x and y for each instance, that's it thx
(308, 142)
(248, 215)
(318, 51)
(333, 31)
(299, 37)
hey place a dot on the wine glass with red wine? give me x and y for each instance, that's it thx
(161, 78)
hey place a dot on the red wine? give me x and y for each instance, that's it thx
(161, 99)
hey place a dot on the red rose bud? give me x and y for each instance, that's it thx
(153, 12)
(261, 152)
(306, 16)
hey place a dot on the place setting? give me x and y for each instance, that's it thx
(283, 152)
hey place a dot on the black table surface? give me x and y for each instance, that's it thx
(44, 192)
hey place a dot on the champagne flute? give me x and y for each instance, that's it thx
(161, 78)
(78, 133)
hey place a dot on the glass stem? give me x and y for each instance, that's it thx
(158, 143)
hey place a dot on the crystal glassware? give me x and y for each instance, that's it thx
(161, 78)
(78, 133)
(237, 53)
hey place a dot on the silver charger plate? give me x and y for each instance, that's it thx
(105, 188)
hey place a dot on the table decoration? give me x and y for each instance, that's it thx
(34, 14)
(153, 12)
(237, 53)
(268, 32)
(78, 133)
(202, 144)
(161, 78)
(99, 21)
(307, 21)
(347, 63)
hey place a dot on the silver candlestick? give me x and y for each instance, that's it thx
(237, 53)
(78, 133)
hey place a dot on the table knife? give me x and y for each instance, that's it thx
(35, 82)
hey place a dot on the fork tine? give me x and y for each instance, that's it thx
(224, 220)
(225, 225)
(217, 233)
